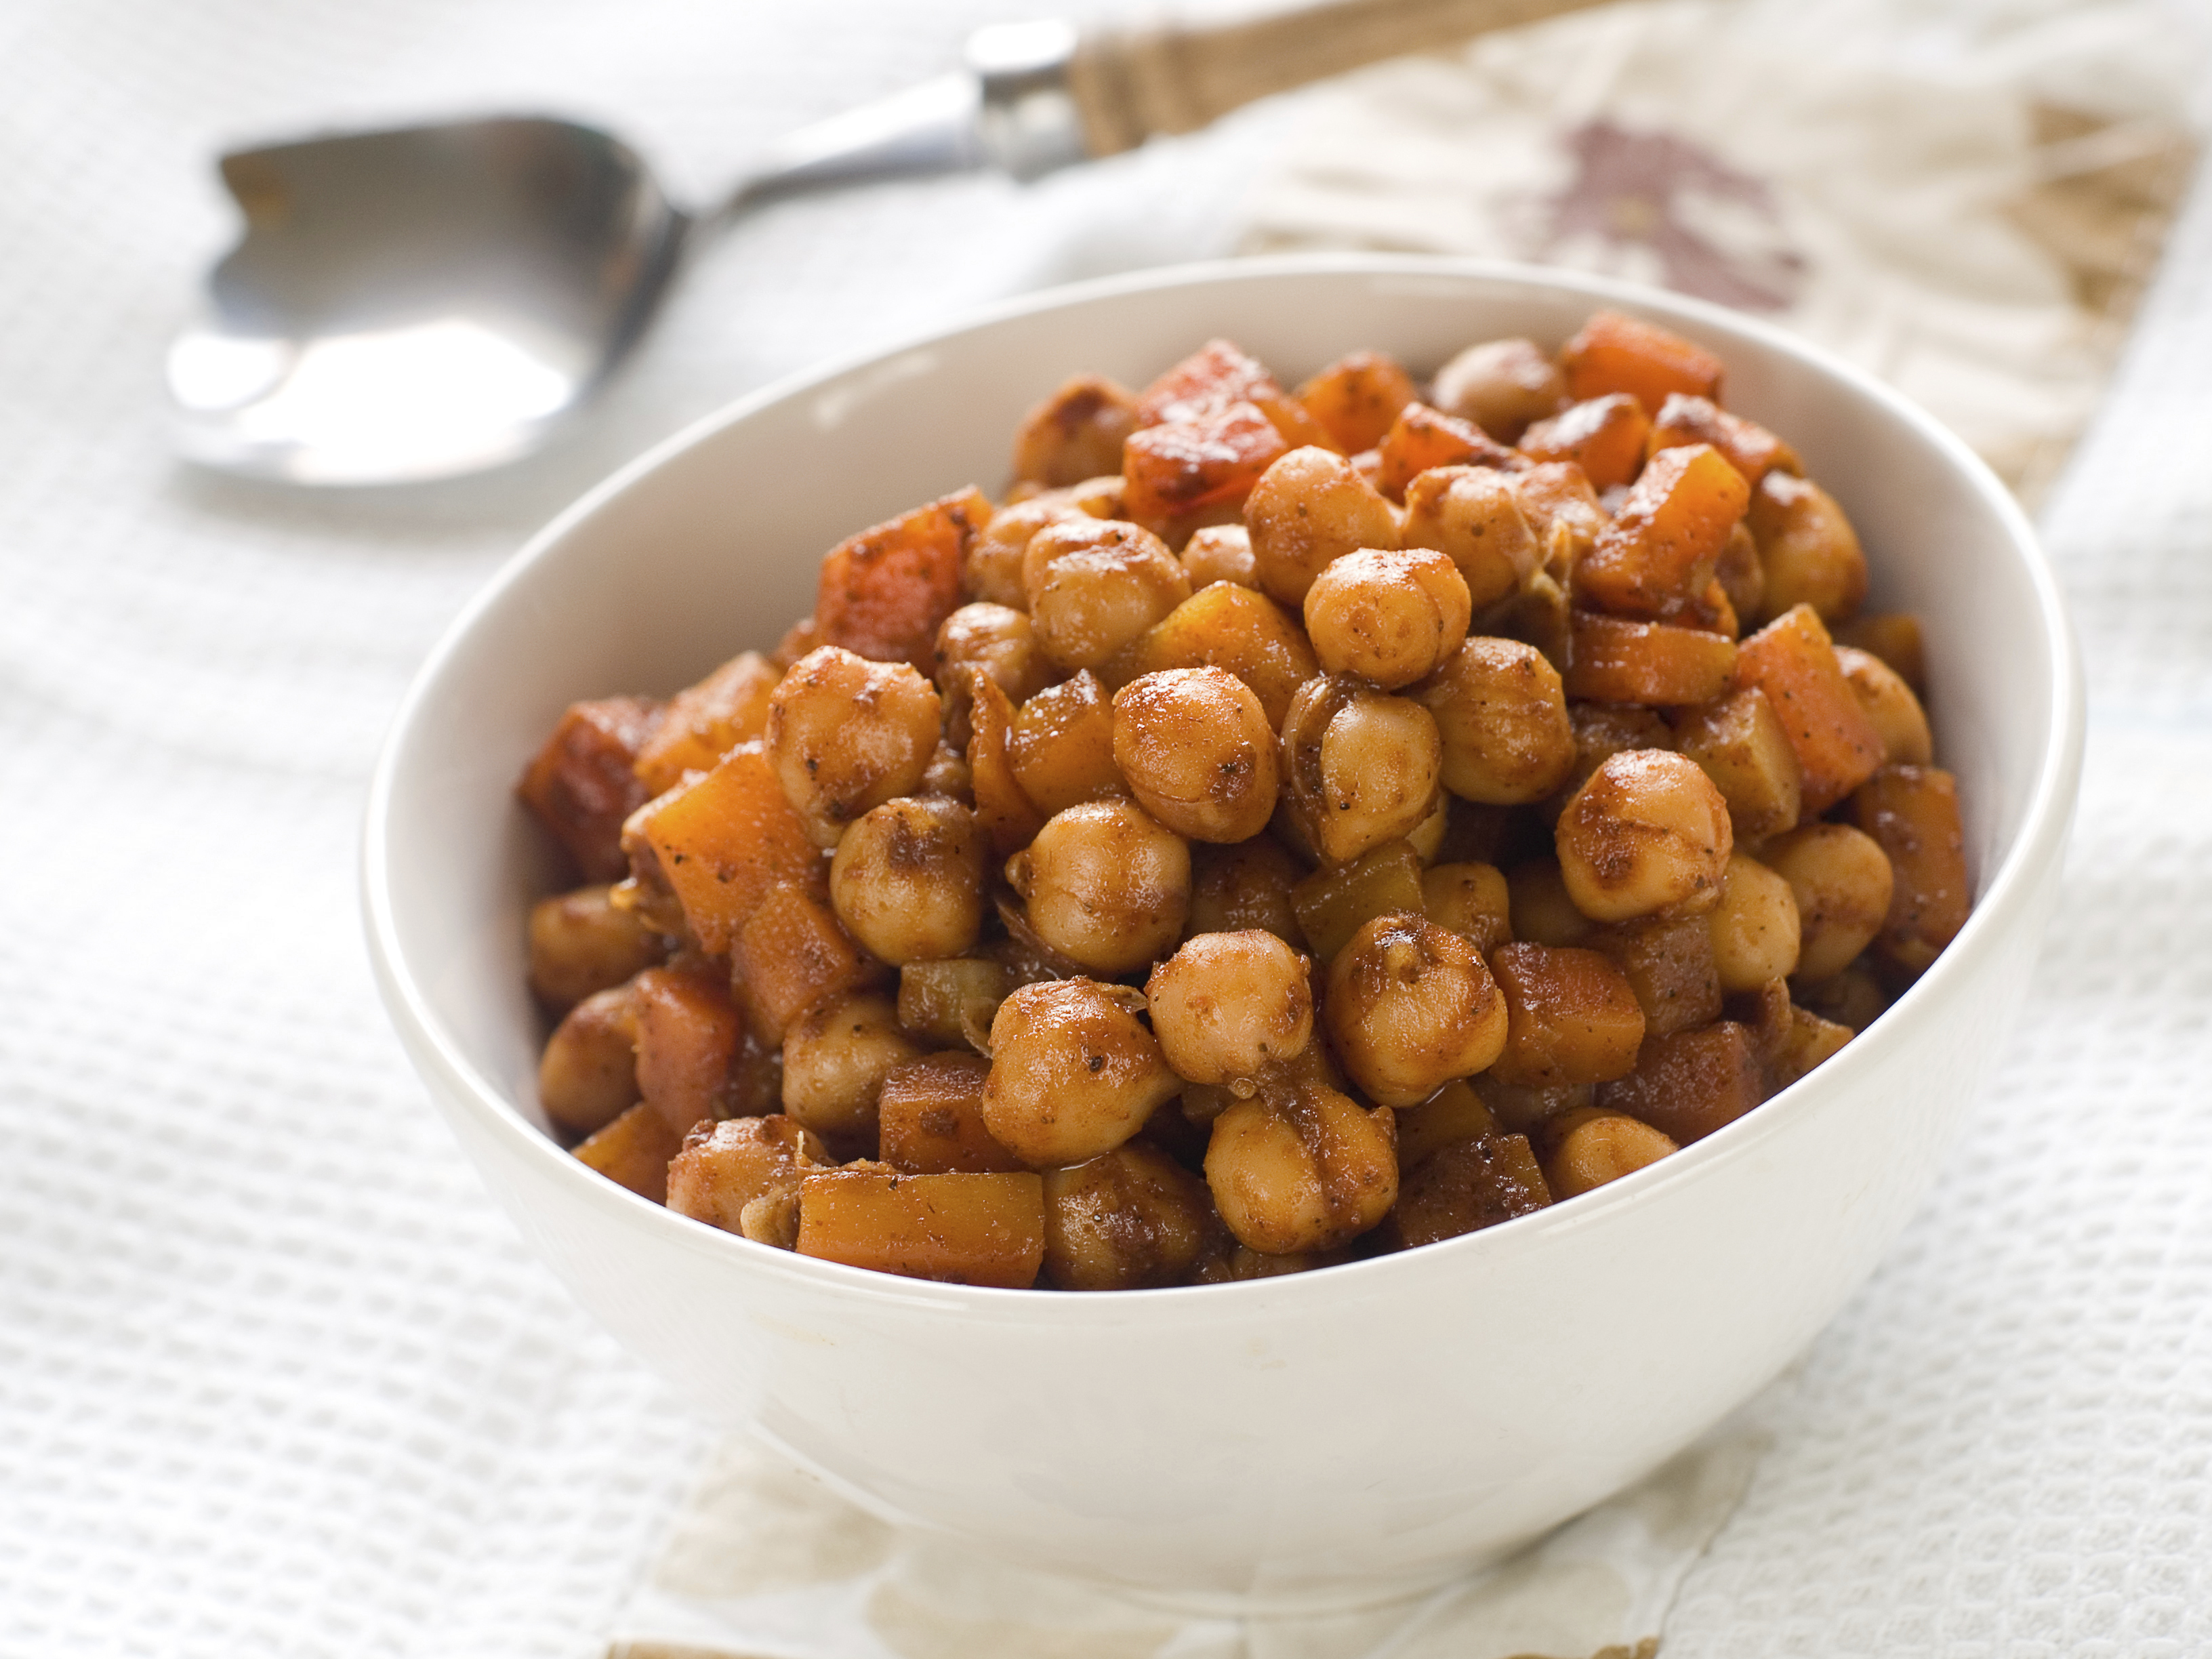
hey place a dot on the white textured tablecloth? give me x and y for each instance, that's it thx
(274, 1377)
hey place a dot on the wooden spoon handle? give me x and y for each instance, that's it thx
(1167, 76)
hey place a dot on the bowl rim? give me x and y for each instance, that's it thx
(2043, 827)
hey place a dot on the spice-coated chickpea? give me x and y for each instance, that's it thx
(1194, 746)
(1226, 1006)
(1474, 515)
(836, 1056)
(1310, 508)
(1127, 1219)
(1409, 1007)
(1390, 617)
(1600, 1147)
(997, 638)
(1073, 1072)
(1106, 885)
(1301, 1169)
(587, 1074)
(1220, 553)
(1754, 926)
(1504, 387)
(907, 880)
(1094, 584)
(846, 734)
(1647, 834)
(1880, 690)
(1501, 714)
(1842, 881)
(1359, 766)
(581, 943)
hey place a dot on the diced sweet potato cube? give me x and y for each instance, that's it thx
(1688, 1083)
(1793, 662)
(1465, 1186)
(792, 953)
(1913, 812)
(1224, 625)
(1211, 379)
(1809, 551)
(1604, 436)
(1571, 1016)
(1656, 556)
(1076, 434)
(1750, 449)
(953, 1002)
(1455, 1112)
(1332, 905)
(726, 841)
(970, 1228)
(724, 1168)
(1422, 437)
(931, 1117)
(1008, 816)
(1171, 472)
(884, 590)
(704, 722)
(633, 1150)
(1061, 746)
(583, 783)
(1893, 636)
(1617, 659)
(1739, 742)
(1356, 398)
(1808, 1041)
(688, 1034)
(1669, 966)
(1615, 353)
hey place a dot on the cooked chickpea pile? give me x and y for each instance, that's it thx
(1290, 827)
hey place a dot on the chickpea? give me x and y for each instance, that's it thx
(1194, 746)
(997, 638)
(1754, 926)
(908, 879)
(726, 1166)
(581, 943)
(1220, 553)
(1599, 1147)
(1247, 885)
(1227, 1004)
(1474, 516)
(1127, 1219)
(1504, 387)
(1309, 509)
(1359, 766)
(587, 1075)
(1074, 1073)
(1094, 584)
(1409, 1006)
(1841, 879)
(1471, 899)
(1880, 690)
(992, 569)
(836, 1056)
(1076, 433)
(1647, 834)
(1106, 885)
(1389, 617)
(1303, 1168)
(1501, 714)
(846, 734)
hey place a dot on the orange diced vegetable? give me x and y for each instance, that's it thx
(930, 1118)
(583, 783)
(1356, 398)
(1613, 659)
(704, 722)
(688, 1036)
(791, 954)
(633, 1150)
(1913, 811)
(1616, 353)
(1604, 436)
(1688, 1083)
(1659, 552)
(1422, 437)
(1749, 448)
(1183, 467)
(1467, 1185)
(725, 841)
(1792, 660)
(1571, 1016)
(970, 1229)
(1223, 625)
(884, 590)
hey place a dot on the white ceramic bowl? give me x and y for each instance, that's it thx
(1326, 1438)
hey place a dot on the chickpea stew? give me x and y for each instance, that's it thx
(1290, 826)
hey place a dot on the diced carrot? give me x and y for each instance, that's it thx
(1206, 460)
(1571, 1016)
(704, 722)
(1357, 399)
(791, 954)
(1604, 436)
(726, 840)
(884, 590)
(633, 1150)
(930, 1117)
(1657, 555)
(971, 1229)
(1793, 661)
(1615, 659)
(1913, 812)
(1226, 626)
(688, 1034)
(1688, 1083)
(1616, 353)
(583, 783)
(1422, 437)
(1751, 449)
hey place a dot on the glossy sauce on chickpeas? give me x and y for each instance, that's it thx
(1290, 825)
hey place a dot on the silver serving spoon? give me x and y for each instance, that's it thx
(429, 301)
